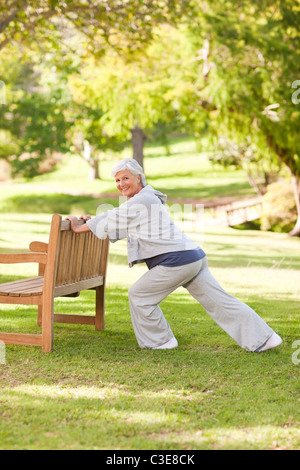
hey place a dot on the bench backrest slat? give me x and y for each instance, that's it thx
(78, 256)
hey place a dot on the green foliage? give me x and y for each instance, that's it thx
(253, 60)
(144, 92)
(126, 25)
(87, 127)
(8, 145)
(279, 208)
(35, 115)
(262, 168)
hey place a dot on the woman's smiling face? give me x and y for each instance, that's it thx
(128, 184)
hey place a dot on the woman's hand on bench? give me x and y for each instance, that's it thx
(74, 224)
(85, 217)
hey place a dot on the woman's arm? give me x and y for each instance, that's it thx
(74, 224)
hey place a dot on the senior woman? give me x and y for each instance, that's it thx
(173, 260)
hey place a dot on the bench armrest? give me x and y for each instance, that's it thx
(39, 247)
(12, 258)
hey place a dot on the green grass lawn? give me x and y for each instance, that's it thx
(184, 174)
(98, 390)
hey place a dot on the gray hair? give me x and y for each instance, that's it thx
(131, 165)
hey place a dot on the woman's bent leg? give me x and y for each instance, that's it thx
(232, 315)
(150, 326)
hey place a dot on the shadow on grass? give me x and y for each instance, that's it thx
(207, 192)
(133, 398)
(187, 318)
(248, 260)
(54, 203)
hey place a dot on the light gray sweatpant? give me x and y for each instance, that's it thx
(232, 315)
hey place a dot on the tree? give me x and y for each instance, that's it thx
(257, 162)
(33, 118)
(253, 60)
(124, 24)
(88, 138)
(136, 95)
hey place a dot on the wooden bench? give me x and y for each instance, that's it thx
(69, 263)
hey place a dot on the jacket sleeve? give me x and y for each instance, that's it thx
(125, 221)
(112, 224)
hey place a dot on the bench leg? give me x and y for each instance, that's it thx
(39, 315)
(47, 325)
(100, 308)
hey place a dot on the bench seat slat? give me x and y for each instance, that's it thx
(66, 289)
(23, 287)
(34, 286)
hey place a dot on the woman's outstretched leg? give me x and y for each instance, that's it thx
(242, 323)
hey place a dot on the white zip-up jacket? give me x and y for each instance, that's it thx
(147, 225)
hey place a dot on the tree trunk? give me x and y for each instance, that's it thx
(138, 141)
(291, 163)
(92, 161)
(94, 169)
(296, 189)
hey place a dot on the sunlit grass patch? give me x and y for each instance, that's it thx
(99, 390)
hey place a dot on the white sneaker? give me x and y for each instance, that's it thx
(272, 342)
(169, 345)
